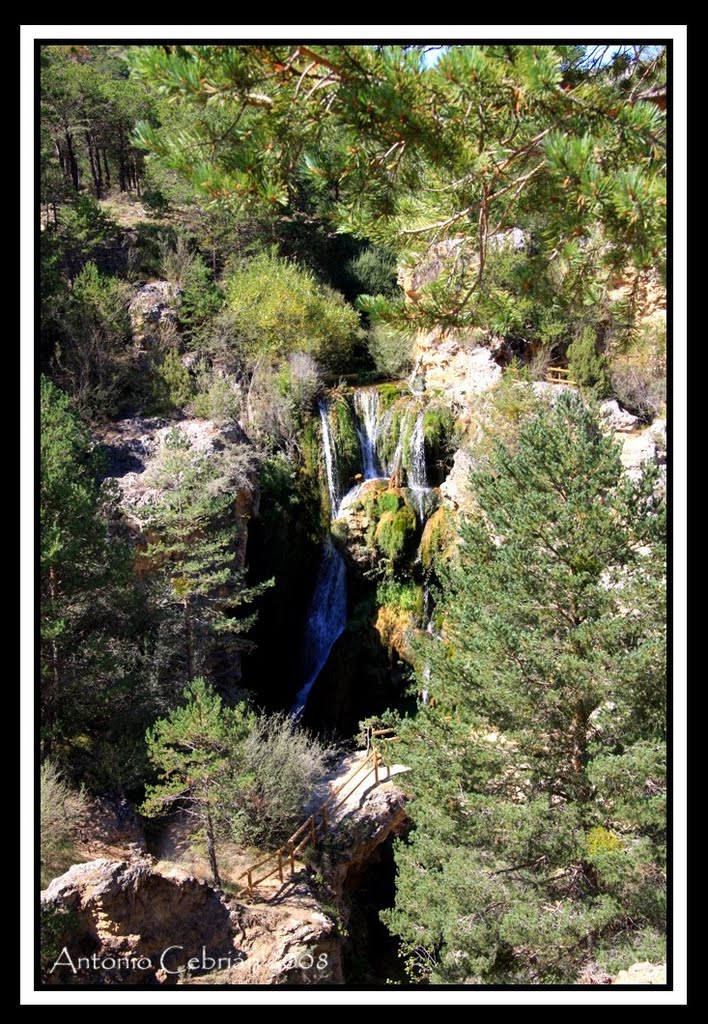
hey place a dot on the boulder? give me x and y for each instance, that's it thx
(642, 974)
(617, 418)
(131, 446)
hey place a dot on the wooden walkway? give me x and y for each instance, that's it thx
(371, 770)
(558, 375)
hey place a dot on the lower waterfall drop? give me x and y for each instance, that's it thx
(326, 619)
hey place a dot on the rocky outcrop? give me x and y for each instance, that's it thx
(153, 307)
(642, 974)
(457, 367)
(455, 489)
(126, 923)
(644, 446)
(131, 446)
(618, 419)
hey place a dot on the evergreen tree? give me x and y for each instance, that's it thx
(587, 366)
(538, 764)
(409, 156)
(193, 750)
(193, 553)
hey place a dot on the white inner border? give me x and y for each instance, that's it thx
(598, 995)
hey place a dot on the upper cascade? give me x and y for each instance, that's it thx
(396, 435)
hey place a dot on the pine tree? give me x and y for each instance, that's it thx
(195, 531)
(538, 764)
(81, 574)
(409, 155)
(194, 750)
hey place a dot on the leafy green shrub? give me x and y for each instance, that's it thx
(172, 384)
(280, 765)
(60, 807)
(587, 366)
(155, 202)
(390, 350)
(373, 271)
(84, 227)
(93, 358)
(217, 398)
(277, 307)
(200, 299)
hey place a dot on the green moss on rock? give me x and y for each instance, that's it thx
(438, 538)
(394, 534)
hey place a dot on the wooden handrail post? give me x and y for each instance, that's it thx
(325, 823)
(376, 766)
(291, 851)
(250, 883)
(313, 834)
(280, 866)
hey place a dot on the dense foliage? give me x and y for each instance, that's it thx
(237, 232)
(539, 761)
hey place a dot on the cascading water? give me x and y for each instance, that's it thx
(367, 406)
(330, 458)
(326, 619)
(417, 471)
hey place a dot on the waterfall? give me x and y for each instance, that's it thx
(330, 456)
(326, 619)
(368, 423)
(417, 472)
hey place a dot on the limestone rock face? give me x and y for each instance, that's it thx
(644, 446)
(455, 488)
(131, 445)
(126, 911)
(153, 305)
(456, 367)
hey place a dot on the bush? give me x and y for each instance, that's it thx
(372, 272)
(93, 358)
(176, 259)
(281, 764)
(638, 375)
(217, 397)
(587, 366)
(155, 202)
(200, 299)
(277, 307)
(390, 351)
(172, 384)
(59, 809)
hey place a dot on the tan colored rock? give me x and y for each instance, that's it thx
(617, 418)
(642, 974)
(122, 912)
(456, 367)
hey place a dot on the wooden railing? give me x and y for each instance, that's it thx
(318, 823)
(558, 375)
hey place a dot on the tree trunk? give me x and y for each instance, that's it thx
(73, 165)
(189, 641)
(106, 169)
(211, 849)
